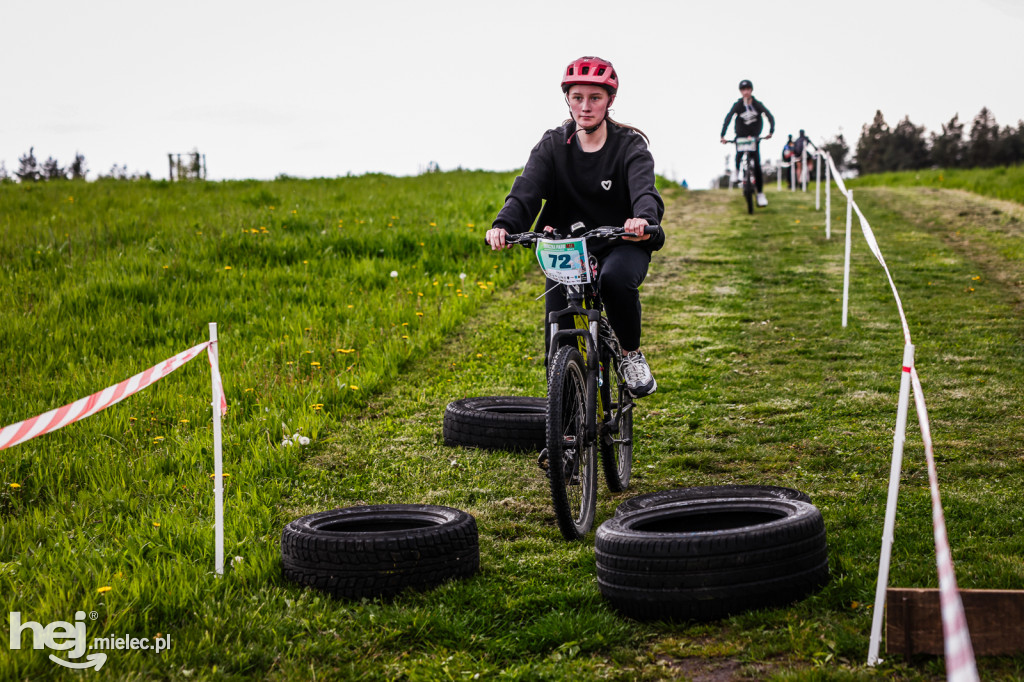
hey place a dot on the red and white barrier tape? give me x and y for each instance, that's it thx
(960, 664)
(80, 409)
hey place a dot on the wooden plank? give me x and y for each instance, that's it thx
(995, 619)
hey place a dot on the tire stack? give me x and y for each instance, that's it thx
(702, 554)
(380, 550)
(497, 423)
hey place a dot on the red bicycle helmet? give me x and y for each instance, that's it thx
(591, 71)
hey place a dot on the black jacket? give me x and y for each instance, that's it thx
(606, 187)
(748, 123)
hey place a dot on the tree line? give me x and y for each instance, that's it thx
(31, 170)
(882, 148)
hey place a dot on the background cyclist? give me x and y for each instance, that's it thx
(597, 171)
(748, 113)
(799, 146)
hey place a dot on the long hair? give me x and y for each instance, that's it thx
(616, 123)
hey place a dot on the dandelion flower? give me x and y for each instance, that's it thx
(303, 440)
(227, 267)
(433, 224)
(183, 421)
(394, 274)
(479, 355)
(354, 387)
(314, 364)
(462, 276)
(286, 443)
(419, 314)
(350, 306)
(104, 589)
(405, 336)
(156, 524)
(15, 485)
(166, 267)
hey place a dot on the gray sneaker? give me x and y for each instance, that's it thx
(637, 374)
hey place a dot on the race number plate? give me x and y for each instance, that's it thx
(746, 144)
(564, 260)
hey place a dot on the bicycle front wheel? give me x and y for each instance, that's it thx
(571, 459)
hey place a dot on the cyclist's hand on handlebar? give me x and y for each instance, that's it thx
(725, 141)
(496, 238)
(768, 136)
(635, 229)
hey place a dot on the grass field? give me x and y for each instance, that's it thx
(1006, 182)
(758, 383)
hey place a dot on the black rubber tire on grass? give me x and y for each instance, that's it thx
(496, 423)
(380, 550)
(702, 492)
(704, 559)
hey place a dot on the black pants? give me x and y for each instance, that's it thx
(623, 270)
(757, 166)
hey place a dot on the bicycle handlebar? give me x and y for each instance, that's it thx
(607, 231)
(760, 137)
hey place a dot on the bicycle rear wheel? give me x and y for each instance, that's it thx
(748, 194)
(571, 459)
(616, 444)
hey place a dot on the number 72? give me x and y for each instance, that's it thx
(562, 261)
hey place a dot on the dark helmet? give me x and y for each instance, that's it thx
(591, 71)
(746, 84)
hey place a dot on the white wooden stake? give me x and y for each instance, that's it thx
(817, 182)
(899, 438)
(218, 469)
(828, 201)
(846, 265)
(778, 175)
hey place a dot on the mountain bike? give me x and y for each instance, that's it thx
(748, 147)
(589, 407)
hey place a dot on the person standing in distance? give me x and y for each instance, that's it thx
(748, 112)
(596, 171)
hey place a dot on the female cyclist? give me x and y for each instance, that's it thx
(595, 171)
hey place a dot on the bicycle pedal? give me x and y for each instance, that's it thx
(542, 459)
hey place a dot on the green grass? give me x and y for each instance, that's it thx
(758, 383)
(1005, 182)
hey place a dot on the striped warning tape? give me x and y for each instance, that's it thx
(80, 409)
(960, 663)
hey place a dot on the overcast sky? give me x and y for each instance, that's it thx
(313, 88)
